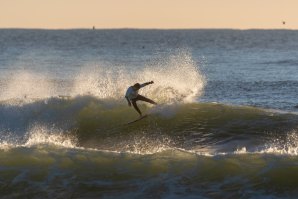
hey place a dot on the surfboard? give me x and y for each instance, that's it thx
(140, 118)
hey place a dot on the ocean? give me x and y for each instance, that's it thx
(225, 125)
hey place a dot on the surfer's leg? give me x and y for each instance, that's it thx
(142, 98)
(134, 103)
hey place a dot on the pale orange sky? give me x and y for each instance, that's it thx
(165, 14)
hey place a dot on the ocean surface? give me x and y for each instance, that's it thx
(226, 125)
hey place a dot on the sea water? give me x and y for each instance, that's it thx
(226, 126)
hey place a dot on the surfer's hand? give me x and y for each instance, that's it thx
(151, 82)
(129, 104)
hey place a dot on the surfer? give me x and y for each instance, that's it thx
(132, 96)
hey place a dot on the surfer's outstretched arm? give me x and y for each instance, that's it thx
(146, 83)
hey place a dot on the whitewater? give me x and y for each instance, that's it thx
(225, 126)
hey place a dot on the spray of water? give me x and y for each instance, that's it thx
(177, 79)
(26, 85)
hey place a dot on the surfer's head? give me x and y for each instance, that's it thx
(137, 86)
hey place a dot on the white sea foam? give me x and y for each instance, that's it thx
(43, 135)
(39, 135)
(287, 146)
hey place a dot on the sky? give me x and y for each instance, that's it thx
(160, 14)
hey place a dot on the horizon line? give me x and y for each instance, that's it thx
(130, 28)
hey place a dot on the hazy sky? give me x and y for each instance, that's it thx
(241, 14)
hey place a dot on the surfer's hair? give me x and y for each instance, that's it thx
(137, 85)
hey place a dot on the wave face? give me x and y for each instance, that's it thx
(202, 127)
(102, 124)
